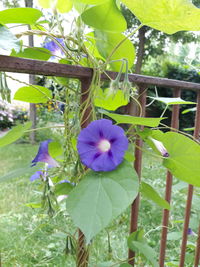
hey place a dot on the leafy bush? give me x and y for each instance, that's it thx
(11, 115)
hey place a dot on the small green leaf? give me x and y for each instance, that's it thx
(14, 134)
(169, 16)
(33, 94)
(172, 100)
(39, 53)
(106, 17)
(33, 205)
(109, 101)
(107, 41)
(8, 41)
(150, 193)
(63, 189)
(190, 129)
(20, 15)
(189, 110)
(125, 265)
(55, 149)
(151, 122)
(184, 156)
(100, 197)
(64, 6)
(136, 242)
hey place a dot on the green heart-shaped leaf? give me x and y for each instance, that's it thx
(100, 197)
(107, 41)
(106, 17)
(169, 16)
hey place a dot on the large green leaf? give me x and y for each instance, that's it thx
(33, 94)
(150, 193)
(169, 16)
(107, 41)
(20, 15)
(109, 101)
(184, 156)
(7, 40)
(105, 17)
(33, 53)
(138, 243)
(151, 122)
(100, 197)
(172, 100)
(14, 134)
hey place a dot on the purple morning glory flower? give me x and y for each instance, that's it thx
(54, 48)
(101, 145)
(160, 147)
(43, 155)
(36, 176)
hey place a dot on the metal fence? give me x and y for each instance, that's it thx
(19, 65)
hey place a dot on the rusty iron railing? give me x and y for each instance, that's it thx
(19, 65)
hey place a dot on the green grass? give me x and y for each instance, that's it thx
(28, 237)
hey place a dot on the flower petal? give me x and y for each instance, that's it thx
(43, 155)
(36, 175)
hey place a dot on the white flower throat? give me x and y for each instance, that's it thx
(104, 145)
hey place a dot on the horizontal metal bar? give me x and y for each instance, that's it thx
(29, 66)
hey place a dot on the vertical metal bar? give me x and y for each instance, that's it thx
(190, 194)
(82, 251)
(138, 166)
(168, 190)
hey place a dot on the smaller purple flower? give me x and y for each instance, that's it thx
(36, 175)
(190, 232)
(43, 155)
(101, 145)
(160, 147)
(54, 47)
(64, 181)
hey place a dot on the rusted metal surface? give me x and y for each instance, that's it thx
(138, 168)
(29, 66)
(168, 190)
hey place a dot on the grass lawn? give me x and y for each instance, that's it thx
(29, 237)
